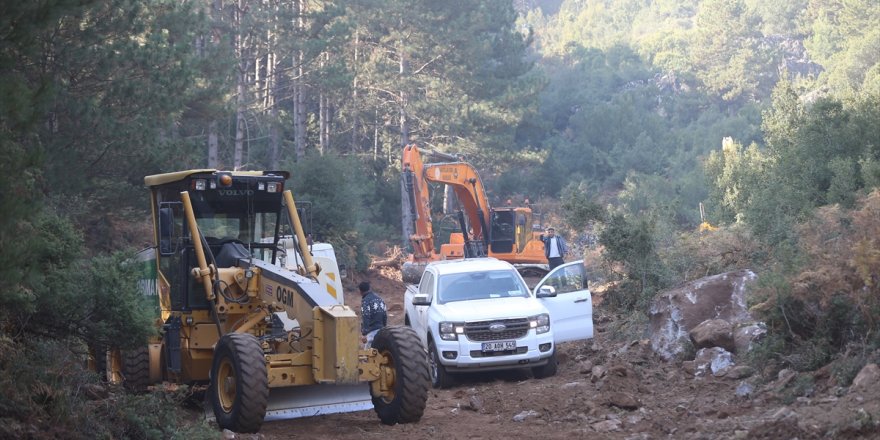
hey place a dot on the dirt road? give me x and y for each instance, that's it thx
(614, 390)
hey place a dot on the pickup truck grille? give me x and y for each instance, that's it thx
(480, 330)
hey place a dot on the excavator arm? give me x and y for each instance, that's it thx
(465, 182)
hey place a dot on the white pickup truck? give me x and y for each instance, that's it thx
(479, 315)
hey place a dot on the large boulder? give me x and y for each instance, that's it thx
(715, 360)
(676, 312)
(746, 334)
(713, 333)
(867, 379)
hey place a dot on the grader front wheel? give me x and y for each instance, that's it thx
(406, 392)
(239, 383)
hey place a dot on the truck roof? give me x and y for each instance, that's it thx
(469, 265)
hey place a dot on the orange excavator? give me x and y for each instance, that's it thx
(504, 233)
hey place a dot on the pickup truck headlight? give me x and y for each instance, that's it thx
(540, 323)
(449, 331)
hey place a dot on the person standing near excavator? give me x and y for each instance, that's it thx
(554, 247)
(374, 315)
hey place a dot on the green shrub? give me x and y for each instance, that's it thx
(46, 388)
(847, 368)
(802, 386)
(578, 208)
(158, 415)
(630, 241)
(765, 355)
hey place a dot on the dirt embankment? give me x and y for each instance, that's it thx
(607, 388)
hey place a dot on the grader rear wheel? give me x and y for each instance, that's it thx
(136, 369)
(404, 400)
(239, 383)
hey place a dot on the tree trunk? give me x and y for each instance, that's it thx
(376, 134)
(322, 123)
(213, 145)
(271, 103)
(238, 151)
(355, 113)
(404, 122)
(274, 129)
(299, 114)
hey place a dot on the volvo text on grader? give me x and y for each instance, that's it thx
(217, 235)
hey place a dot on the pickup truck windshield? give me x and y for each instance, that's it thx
(480, 285)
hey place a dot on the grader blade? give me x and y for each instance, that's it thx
(313, 400)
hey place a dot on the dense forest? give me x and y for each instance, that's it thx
(618, 118)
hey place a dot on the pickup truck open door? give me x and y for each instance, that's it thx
(569, 302)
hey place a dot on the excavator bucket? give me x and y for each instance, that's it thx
(313, 400)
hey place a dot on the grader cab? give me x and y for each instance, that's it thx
(256, 332)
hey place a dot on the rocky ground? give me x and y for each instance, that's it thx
(617, 389)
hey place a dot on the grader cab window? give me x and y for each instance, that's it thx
(241, 216)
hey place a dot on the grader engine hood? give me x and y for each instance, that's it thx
(285, 289)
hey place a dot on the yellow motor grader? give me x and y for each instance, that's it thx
(266, 339)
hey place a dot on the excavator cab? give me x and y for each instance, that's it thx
(502, 237)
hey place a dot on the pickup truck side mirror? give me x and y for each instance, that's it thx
(546, 292)
(421, 299)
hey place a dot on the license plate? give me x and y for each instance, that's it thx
(499, 346)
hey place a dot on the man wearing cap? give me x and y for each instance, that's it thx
(554, 247)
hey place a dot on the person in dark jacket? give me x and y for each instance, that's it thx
(373, 313)
(554, 247)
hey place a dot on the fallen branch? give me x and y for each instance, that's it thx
(393, 258)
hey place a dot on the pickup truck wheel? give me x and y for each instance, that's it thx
(440, 378)
(407, 394)
(239, 383)
(547, 370)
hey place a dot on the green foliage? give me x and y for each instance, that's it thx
(804, 385)
(696, 254)
(734, 175)
(844, 182)
(815, 155)
(631, 242)
(46, 389)
(824, 304)
(94, 300)
(727, 53)
(843, 36)
(158, 415)
(578, 208)
(847, 367)
(765, 353)
(449, 74)
(351, 201)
